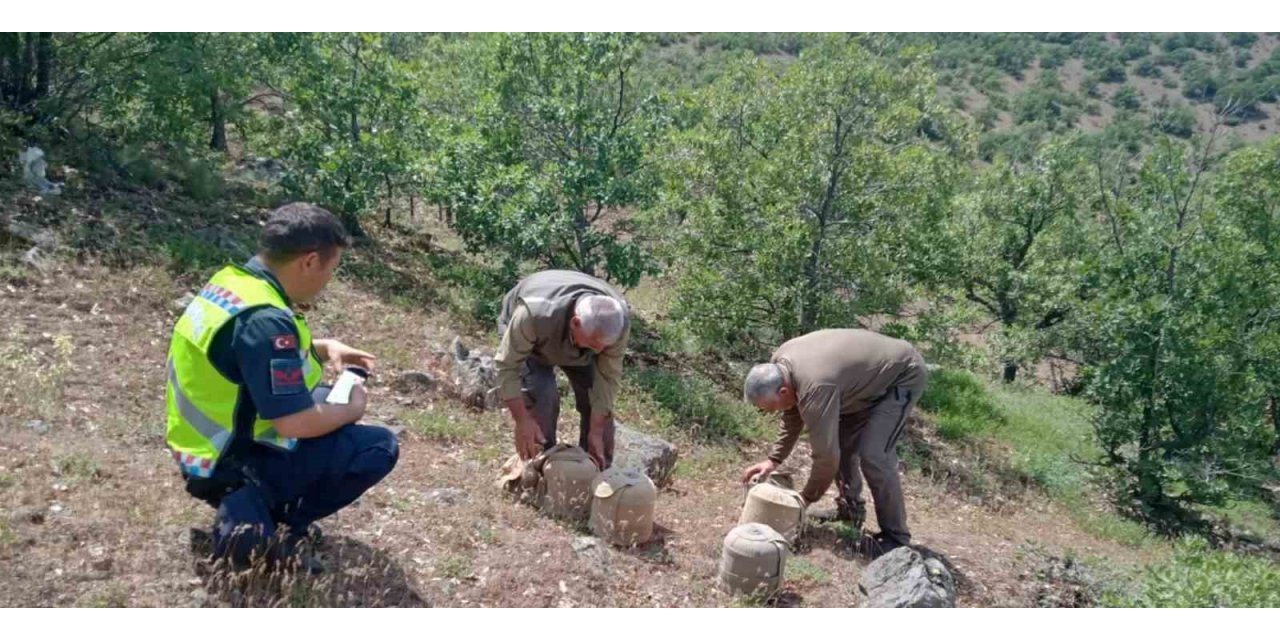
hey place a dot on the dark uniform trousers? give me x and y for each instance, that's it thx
(867, 444)
(257, 489)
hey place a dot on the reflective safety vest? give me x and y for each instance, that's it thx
(200, 401)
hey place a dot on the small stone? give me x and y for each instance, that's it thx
(199, 597)
(101, 564)
(584, 543)
(34, 258)
(180, 304)
(39, 426)
(55, 508)
(446, 495)
(413, 382)
(33, 515)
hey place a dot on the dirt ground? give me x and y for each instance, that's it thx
(92, 510)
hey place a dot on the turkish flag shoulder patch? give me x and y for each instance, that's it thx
(284, 342)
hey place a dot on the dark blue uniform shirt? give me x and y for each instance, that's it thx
(259, 351)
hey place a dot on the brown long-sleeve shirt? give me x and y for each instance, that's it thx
(836, 372)
(534, 323)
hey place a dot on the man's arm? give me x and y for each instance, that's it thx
(322, 419)
(821, 412)
(273, 371)
(607, 376)
(516, 346)
(788, 434)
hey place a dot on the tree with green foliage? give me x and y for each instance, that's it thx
(1246, 191)
(1181, 412)
(1175, 120)
(1018, 247)
(1126, 97)
(352, 123)
(198, 83)
(805, 197)
(560, 145)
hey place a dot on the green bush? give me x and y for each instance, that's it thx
(960, 404)
(1242, 39)
(190, 254)
(1147, 68)
(202, 180)
(1127, 98)
(696, 407)
(1197, 576)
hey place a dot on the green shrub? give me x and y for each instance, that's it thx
(1197, 576)
(190, 254)
(696, 407)
(202, 180)
(960, 404)
(1127, 97)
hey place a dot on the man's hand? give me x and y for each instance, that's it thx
(528, 436)
(358, 403)
(754, 470)
(341, 355)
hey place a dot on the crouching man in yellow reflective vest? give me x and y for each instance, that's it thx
(247, 421)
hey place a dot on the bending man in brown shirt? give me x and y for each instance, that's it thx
(569, 320)
(853, 389)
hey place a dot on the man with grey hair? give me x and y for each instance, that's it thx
(569, 320)
(853, 389)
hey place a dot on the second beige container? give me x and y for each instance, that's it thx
(622, 506)
(774, 503)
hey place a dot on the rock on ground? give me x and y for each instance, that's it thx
(636, 450)
(904, 578)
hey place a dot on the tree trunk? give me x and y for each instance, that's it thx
(413, 206)
(218, 116)
(355, 108)
(386, 222)
(810, 297)
(1008, 316)
(1275, 427)
(44, 64)
(25, 90)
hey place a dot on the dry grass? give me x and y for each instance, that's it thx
(93, 513)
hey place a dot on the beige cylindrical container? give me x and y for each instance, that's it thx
(774, 503)
(753, 561)
(566, 482)
(622, 507)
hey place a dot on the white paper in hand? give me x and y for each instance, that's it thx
(341, 392)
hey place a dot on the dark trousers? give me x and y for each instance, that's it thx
(867, 445)
(542, 397)
(261, 488)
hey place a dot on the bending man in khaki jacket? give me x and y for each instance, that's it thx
(569, 320)
(853, 389)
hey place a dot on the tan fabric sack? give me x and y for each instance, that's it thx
(622, 506)
(753, 561)
(775, 503)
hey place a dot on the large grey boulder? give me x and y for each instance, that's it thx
(475, 377)
(904, 578)
(652, 455)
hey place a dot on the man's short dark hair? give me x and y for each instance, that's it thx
(298, 228)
